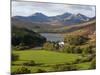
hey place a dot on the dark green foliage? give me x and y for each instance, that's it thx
(69, 49)
(86, 59)
(48, 46)
(72, 49)
(40, 71)
(29, 63)
(21, 47)
(22, 70)
(77, 61)
(23, 37)
(14, 57)
(88, 50)
(77, 50)
(64, 67)
(75, 39)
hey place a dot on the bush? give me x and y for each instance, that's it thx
(72, 49)
(22, 70)
(69, 68)
(14, 57)
(68, 49)
(65, 67)
(77, 61)
(87, 50)
(40, 71)
(48, 46)
(75, 39)
(76, 50)
(29, 63)
(86, 59)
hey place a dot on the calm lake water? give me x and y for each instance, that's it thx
(53, 36)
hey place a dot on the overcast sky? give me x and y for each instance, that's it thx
(20, 8)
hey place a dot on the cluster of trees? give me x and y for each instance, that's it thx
(73, 39)
(77, 44)
(48, 46)
(53, 46)
(84, 50)
(88, 49)
(23, 38)
(73, 66)
(72, 49)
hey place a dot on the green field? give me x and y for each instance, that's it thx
(46, 57)
(45, 60)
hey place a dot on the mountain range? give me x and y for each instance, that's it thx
(63, 19)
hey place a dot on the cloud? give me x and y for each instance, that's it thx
(50, 9)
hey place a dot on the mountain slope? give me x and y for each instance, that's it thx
(25, 38)
(63, 19)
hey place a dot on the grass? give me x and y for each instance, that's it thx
(33, 68)
(46, 57)
(84, 66)
(45, 60)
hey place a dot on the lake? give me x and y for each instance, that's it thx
(53, 36)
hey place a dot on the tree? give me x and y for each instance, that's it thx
(23, 37)
(87, 50)
(68, 48)
(72, 49)
(75, 39)
(76, 50)
(48, 46)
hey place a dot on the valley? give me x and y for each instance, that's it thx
(42, 44)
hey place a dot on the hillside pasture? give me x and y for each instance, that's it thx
(44, 60)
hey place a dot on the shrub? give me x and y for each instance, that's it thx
(48, 46)
(76, 50)
(14, 57)
(29, 63)
(86, 59)
(72, 49)
(65, 67)
(77, 61)
(68, 49)
(69, 68)
(22, 70)
(87, 50)
(40, 71)
(75, 39)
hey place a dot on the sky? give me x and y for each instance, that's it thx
(22, 8)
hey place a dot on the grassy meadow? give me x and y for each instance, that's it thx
(46, 60)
